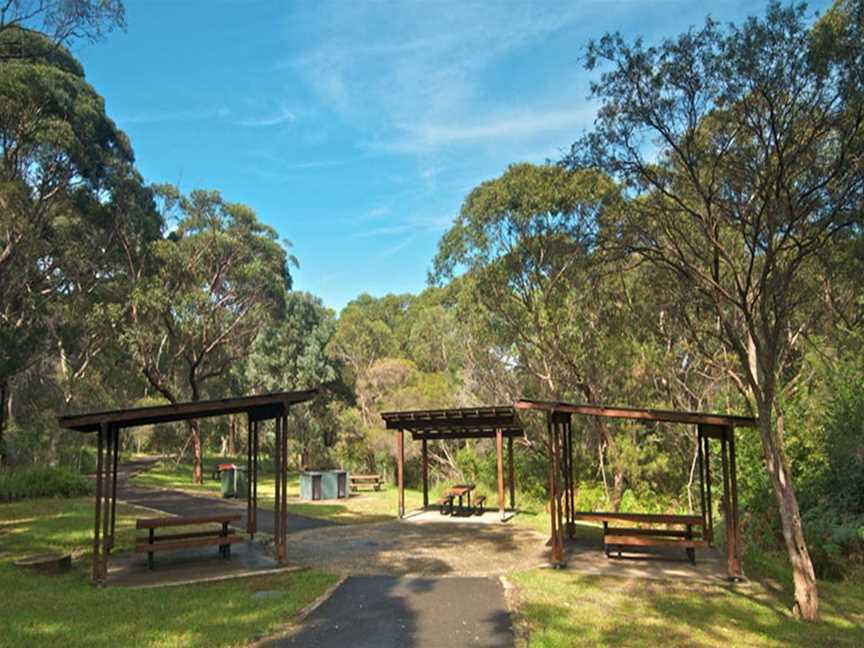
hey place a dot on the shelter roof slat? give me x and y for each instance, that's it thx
(665, 416)
(259, 407)
(464, 422)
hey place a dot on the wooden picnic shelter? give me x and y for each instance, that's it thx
(497, 422)
(258, 409)
(720, 427)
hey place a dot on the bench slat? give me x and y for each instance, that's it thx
(156, 523)
(146, 547)
(183, 536)
(695, 520)
(674, 533)
(642, 541)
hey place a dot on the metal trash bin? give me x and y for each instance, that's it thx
(233, 480)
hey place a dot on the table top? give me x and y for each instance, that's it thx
(155, 523)
(459, 489)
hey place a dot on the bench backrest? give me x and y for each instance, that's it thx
(156, 523)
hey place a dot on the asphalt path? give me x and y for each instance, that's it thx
(390, 611)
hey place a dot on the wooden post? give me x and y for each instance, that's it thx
(256, 460)
(727, 510)
(700, 464)
(425, 466)
(106, 503)
(510, 473)
(277, 504)
(499, 457)
(100, 433)
(114, 485)
(249, 476)
(400, 461)
(284, 485)
(709, 504)
(557, 557)
(737, 554)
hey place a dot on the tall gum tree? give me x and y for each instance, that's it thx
(61, 160)
(524, 242)
(741, 150)
(220, 277)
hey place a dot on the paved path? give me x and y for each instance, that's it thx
(387, 611)
(368, 611)
(181, 503)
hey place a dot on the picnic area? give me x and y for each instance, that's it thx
(431, 325)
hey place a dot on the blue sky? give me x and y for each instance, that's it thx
(357, 128)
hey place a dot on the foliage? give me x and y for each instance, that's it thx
(31, 482)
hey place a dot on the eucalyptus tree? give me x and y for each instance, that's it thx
(291, 354)
(61, 161)
(220, 277)
(551, 306)
(741, 151)
(59, 21)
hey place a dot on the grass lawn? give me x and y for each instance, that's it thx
(563, 608)
(68, 611)
(360, 508)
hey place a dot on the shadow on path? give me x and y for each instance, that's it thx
(387, 611)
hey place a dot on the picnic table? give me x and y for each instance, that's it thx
(457, 490)
(223, 537)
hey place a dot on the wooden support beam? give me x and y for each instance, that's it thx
(425, 467)
(511, 481)
(737, 568)
(114, 485)
(284, 420)
(709, 503)
(277, 502)
(96, 571)
(727, 512)
(557, 549)
(249, 476)
(499, 465)
(106, 503)
(400, 467)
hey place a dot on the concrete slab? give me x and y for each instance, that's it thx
(434, 517)
(387, 611)
(195, 565)
(587, 557)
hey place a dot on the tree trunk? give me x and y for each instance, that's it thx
(806, 595)
(232, 435)
(4, 388)
(195, 430)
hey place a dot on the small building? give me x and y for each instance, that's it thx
(323, 484)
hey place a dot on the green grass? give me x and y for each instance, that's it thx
(360, 508)
(67, 610)
(564, 608)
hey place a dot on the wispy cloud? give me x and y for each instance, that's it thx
(159, 116)
(418, 80)
(281, 116)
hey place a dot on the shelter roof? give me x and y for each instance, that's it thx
(259, 407)
(457, 423)
(666, 416)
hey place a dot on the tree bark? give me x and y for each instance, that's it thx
(195, 431)
(803, 575)
(4, 389)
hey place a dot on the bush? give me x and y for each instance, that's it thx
(833, 542)
(28, 483)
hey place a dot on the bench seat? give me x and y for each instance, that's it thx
(657, 531)
(143, 545)
(223, 538)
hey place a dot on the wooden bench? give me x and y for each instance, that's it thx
(480, 504)
(445, 504)
(223, 537)
(652, 535)
(359, 481)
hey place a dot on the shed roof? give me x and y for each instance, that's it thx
(666, 416)
(259, 407)
(456, 423)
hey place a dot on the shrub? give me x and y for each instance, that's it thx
(33, 482)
